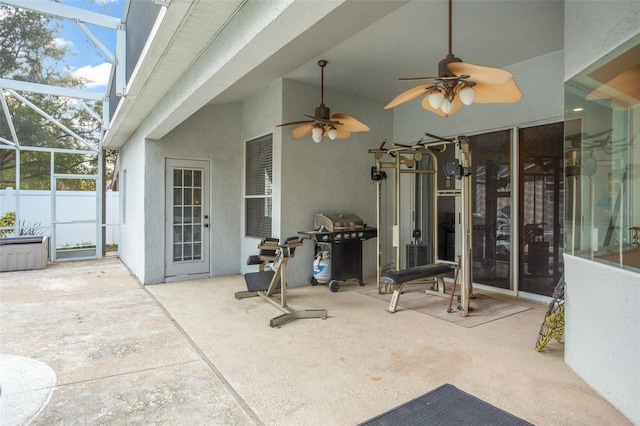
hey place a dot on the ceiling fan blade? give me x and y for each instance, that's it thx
(343, 132)
(294, 122)
(457, 104)
(349, 123)
(480, 73)
(322, 120)
(507, 93)
(409, 95)
(452, 77)
(302, 131)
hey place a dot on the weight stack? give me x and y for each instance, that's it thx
(417, 254)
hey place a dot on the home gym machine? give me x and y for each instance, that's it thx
(402, 159)
(265, 283)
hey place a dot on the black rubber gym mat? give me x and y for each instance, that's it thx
(446, 406)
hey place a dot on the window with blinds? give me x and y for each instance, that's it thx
(259, 185)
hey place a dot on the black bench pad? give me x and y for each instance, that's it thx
(423, 271)
(258, 281)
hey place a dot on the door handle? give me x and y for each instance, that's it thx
(206, 225)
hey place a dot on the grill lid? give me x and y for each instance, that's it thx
(337, 222)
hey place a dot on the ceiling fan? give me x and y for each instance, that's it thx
(322, 123)
(459, 83)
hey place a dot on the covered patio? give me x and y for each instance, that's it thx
(189, 352)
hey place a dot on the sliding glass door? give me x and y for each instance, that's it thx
(540, 209)
(518, 217)
(491, 215)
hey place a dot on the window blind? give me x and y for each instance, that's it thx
(259, 187)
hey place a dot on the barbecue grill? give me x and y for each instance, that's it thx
(342, 235)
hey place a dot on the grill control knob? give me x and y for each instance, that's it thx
(346, 236)
(325, 237)
(360, 234)
(354, 235)
(338, 236)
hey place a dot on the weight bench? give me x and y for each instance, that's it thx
(266, 283)
(396, 280)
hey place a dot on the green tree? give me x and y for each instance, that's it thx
(28, 52)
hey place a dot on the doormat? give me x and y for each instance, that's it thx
(484, 308)
(446, 406)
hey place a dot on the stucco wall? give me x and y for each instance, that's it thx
(260, 114)
(132, 230)
(602, 323)
(602, 320)
(211, 134)
(309, 178)
(330, 176)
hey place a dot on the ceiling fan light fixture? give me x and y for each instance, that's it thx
(446, 106)
(436, 99)
(467, 95)
(316, 134)
(332, 133)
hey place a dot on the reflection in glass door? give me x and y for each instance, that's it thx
(187, 218)
(491, 204)
(520, 245)
(540, 208)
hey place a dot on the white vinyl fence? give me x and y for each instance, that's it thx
(36, 211)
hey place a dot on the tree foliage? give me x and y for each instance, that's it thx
(27, 47)
(29, 52)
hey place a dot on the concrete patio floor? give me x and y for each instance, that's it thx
(190, 353)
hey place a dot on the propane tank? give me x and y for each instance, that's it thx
(322, 267)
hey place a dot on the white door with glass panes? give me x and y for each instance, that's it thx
(187, 218)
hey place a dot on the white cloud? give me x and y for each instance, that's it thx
(61, 42)
(95, 75)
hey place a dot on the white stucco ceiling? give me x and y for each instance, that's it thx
(369, 45)
(411, 40)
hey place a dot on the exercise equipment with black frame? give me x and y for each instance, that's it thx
(266, 283)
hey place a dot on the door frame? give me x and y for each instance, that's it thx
(193, 268)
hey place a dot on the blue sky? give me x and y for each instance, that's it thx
(87, 60)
